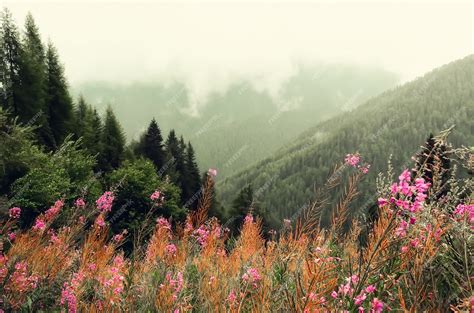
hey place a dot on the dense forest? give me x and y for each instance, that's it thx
(394, 124)
(265, 122)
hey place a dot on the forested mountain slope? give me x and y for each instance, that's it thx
(394, 123)
(243, 124)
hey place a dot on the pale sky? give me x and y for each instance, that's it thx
(206, 44)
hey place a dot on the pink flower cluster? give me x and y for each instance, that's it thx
(114, 282)
(465, 210)
(15, 212)
(20, 280)
(202, 235)
(104, 203)
(163, 223)
(80, 203)
(157, 196)
(248, 219)
(347, 290)
(232, 297)
(252, 276)
(354, 161)
(212, 172)
(99, 221)
(176, 285)
(171, 249)
(406, 195)
(53, 211)
(68, 293)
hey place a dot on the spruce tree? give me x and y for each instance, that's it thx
(59, 102)
(10, 64)
(241, 206)
(192, 179)
(34, 84)
(94, 143)
(113, 143)
(151, 145)
(173, 152)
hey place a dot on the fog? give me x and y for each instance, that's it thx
(209, 44)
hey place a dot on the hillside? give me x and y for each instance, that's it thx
(264, 122)
(394, 123)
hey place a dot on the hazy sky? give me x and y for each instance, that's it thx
(207, 43)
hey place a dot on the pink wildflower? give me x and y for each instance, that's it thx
(104, 203)
(231, 297)
(401, 230)
(163, 223)
(370, 289)
(100, 221)
(248, 219)
(212, 172)
(80, 203)
(171, 249)
(15, 212)
(405, 176)
(11, 236)
(157, 196)
(382, 202)
(377, 305)
(39, 225)
(352, 159)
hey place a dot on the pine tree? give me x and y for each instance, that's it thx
(94, 143)
(174, 151)
(59, 102)
(85, 126)
(10, 63)
(151, 145)
(113, 143)
(192, 182)
(241, 206)
(33, 79)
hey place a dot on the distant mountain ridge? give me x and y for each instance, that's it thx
(244, 124)
(399, 118)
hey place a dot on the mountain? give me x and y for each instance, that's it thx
(245, 123)
(394, 123)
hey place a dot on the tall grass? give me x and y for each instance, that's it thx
(417, 255)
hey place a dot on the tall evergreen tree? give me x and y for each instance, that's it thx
(10, 63)
(59, 102)
(192, 179)
(113, 143)
(241, 206)
(33, 82)
(151, 145)
(94, 143)
(173, 150)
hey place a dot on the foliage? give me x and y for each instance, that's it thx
(417, 258)
(65, 174)
(133, 183)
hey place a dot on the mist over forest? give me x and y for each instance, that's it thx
(273, 156)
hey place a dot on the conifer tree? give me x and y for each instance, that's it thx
(113, 143)
(33, 84)
(174, 151)
(59, 102)
(241, 206)
(151, 145)
(10, 63)
(192, 182)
